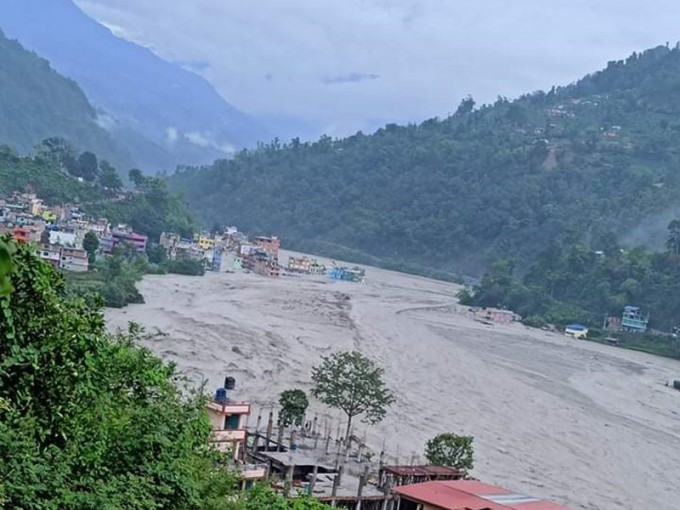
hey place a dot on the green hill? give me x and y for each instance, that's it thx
(37, 103)
(492, 182)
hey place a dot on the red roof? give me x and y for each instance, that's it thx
(471, 495)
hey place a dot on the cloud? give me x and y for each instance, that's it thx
(105, 121)
(199, 139)
(171, 135)
(351, 78)
(274, 58)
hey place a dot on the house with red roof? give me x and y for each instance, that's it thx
(466, 495)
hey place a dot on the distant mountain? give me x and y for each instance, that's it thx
(181, 118)
(37, 103)
(490, 182)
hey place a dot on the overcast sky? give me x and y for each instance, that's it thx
(345, 65)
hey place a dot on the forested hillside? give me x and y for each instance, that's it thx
(36, 103)
(59, 174)
(491, 182)
(159, 112)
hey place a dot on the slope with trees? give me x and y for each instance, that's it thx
(37, 103)
(457, 193)
(91, 420)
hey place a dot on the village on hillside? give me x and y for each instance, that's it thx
(59, 232)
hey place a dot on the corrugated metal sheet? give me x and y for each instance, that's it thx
(471, 495)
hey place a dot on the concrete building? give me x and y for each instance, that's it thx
(50, 253)
(269, 244)
(127, 236)
(466, 495)
(74, 259)
(633, 320)
(299, 265)
(229, 433)
(63, 238)
(496, 315)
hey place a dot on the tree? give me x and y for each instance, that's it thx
(450, 449)
(293, 406)
(89, 419)
(90, 245)
(88, 166)
(467, 104)
(45, 236)
(137, 177)
(108, 176)
(673, 240)
(354, 384)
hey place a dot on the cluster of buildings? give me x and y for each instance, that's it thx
(307, 460)
(59, 230)
(232, 250)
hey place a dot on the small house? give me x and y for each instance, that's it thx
(577, 331)
(633, 320)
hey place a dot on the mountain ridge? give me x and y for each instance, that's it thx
(480, 185)
(178, 112)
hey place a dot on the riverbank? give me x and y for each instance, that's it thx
(588, 425)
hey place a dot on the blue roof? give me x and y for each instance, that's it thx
(576, 326)
(631, 308)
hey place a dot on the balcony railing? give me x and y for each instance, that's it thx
(221, 436)
(230, 407)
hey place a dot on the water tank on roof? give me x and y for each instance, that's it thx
(229, 383)
(221, 395)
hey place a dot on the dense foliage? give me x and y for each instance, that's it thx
(458, 193)
(448, 449)
(149, 209)
(89, 420)
(573, 281)
(36, 102)
(293, 404)
(352, 383)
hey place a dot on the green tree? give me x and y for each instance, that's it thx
(108, 176)
(90, 245)
(137, 177)
(88, 419)
(673, 240)
(354, 384)
(293, 404)
(450, 449)
(88, 166)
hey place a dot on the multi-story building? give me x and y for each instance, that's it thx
(269, 244)
(122, 235)
(50, 253)
(633, 320)
(73, 259)
(228, 420)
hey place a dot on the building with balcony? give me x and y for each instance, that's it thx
(74, 259)
(633, 320)
(228, 420)
(51, 253)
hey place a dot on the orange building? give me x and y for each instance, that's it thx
(22, 234)
(269, 244)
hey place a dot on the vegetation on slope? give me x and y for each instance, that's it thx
(59, 174)
(457, 193)
(572, 281)
(36, 103)
(91, 420)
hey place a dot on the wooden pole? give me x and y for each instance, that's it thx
(312, 482)
(270, 425)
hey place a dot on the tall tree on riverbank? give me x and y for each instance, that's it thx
(354, 384)
(452, 450)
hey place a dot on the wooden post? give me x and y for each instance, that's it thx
(362, 483)
(270, 425)
(279, 442)
(256, 444)
(328, 444)
(292, 440)
(314, 425)
(334, 490)
(312, 482)
(288, 483)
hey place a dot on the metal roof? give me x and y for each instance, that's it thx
(471, 495)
